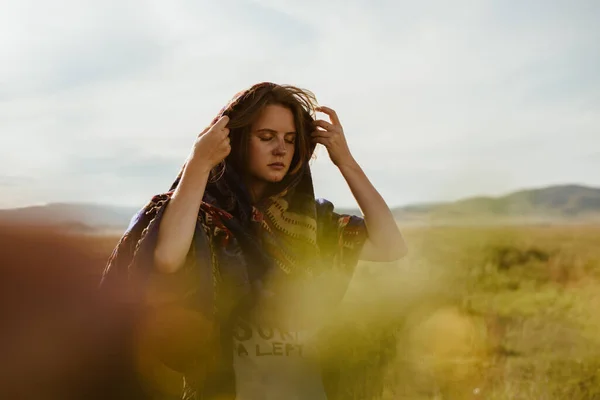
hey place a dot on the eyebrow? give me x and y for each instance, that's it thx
(274, 131)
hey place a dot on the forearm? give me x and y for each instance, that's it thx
(382, 229)
(176, 230)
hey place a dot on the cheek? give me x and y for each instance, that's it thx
(291, 150)
(253, 153)
(257, 151)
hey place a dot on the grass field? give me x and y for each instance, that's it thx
(499, 312)
(507, 312)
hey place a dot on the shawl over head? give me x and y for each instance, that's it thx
(243, 255)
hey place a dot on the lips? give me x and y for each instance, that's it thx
(277, 166)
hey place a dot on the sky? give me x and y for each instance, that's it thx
(101, 101)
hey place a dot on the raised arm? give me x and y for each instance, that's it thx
(176, 230)
(384, 241)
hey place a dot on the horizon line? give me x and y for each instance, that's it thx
(421, 203)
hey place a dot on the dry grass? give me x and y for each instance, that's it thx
(479, 313)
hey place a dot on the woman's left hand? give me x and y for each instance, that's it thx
(332, 137)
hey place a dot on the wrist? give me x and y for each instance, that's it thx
(192, 184)
(348, 163)
(198, 166)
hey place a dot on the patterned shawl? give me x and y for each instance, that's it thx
(239, 249)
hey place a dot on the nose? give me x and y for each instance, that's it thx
(280, 148)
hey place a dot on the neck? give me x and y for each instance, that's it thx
(257, 190)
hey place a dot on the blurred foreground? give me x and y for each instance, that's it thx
(472, 313)
(60, 338)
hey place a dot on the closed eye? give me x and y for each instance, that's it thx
(266, 139)
(291, 138)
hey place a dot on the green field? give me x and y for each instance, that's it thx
(502, 312)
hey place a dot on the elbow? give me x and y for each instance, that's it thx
(404, 250)
(164, 263)
(384, 251)
(396, 250)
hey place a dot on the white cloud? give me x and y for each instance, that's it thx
(438, 99)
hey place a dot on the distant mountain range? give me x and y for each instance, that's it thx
(573, 203)
(73, 216)
(567, 203)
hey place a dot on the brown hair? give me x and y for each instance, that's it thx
(245, 109)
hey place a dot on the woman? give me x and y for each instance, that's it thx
(233, 257)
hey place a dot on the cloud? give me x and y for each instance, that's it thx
(9, 181)
(438, 99)
(64, 44)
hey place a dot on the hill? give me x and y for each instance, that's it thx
(79, 217)
(564, 203)
(567, 203)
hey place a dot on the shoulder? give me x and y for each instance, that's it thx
(325, 207)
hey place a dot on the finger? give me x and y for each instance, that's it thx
(225, 146)
(226, 151)
(320, 140)
(325, 124)
(332, 114)
(220, 133)
(204, 131)
(222, 122)
(321, 137)
(320, 133)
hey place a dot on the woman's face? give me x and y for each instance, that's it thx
(271, 147)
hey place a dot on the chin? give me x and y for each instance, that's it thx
(275, 177)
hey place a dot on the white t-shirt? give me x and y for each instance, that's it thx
(276, 364)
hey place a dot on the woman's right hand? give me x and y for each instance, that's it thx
(211, 146)
(178, 224)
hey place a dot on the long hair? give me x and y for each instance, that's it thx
(244, 110)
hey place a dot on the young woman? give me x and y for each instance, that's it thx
(238, 259)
